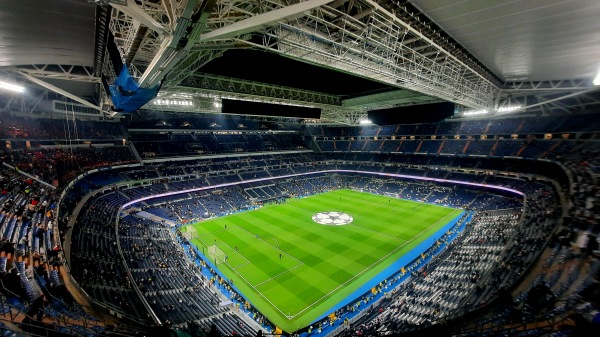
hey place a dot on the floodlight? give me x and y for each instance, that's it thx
(11, 87)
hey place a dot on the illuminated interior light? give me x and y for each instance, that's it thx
(11, 87)
(509, 108)
(476, 112)
(173, 102)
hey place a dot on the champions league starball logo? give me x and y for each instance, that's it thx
(332, 218)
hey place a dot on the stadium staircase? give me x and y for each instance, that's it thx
(399, 145)
(583, 143)
(362, 149)
(314, 145)
(552, 148)
(427, 196)
(464, 150)
(493, 151)
(419, 146)
(133, 150)
(487, 128)
(518, 154)
(124, 195)
(441, 146)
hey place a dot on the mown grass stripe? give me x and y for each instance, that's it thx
(326, 259)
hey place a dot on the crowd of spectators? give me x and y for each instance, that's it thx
(30, 269)
(58, 166)
(149, 248)
(26, 128)
(487, 126)
(157, 145)
(141, 255)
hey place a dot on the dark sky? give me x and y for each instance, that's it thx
(268, 67)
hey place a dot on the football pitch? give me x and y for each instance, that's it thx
(293, 269)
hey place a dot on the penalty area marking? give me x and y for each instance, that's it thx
(226, 244)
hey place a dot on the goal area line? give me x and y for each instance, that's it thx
(216, 251)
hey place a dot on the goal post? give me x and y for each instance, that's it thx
(216, 254)
(190, 233)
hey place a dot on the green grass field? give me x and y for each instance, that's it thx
(320, 265)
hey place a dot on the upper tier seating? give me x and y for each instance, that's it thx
(13, 127)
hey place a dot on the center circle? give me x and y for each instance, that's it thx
(332, 218)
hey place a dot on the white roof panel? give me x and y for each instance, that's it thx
(524, 40)
(46, 32)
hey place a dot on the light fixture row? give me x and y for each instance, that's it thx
(11, 87)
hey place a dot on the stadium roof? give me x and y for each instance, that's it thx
(533, 40)
(46, 32)
(492, 56)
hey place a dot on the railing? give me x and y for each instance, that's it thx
(7, 304)
(29, 176)
(128, 272)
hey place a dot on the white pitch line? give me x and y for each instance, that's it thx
(369, 267)
(276, 276)
(376, 231)
(270, 244)
(258, 292)
(336, 288)
(241, 265)
(250, 284)
(238, 253)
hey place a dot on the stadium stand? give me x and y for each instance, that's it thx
(143, 259)
(142, 142)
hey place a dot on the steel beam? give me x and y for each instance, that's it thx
(169, 7)
(264, 92)
(60, 91)
(61, 72)
(262, 20)
(341, 116)
(137, 13)
(560, 98)
(171, 52)
(543, 86)
(422, 37)
(192, 63)
(385, 98)
(376, 47)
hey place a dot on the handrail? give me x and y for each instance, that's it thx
(129, 275)
(25, 300)
(48, 331)
(29, 175)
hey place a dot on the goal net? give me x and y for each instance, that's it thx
(216, 254)
(191, 233)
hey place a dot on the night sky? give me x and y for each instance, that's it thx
(268, 67)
